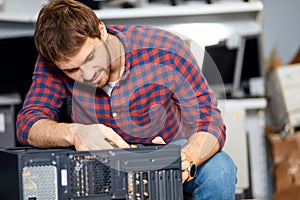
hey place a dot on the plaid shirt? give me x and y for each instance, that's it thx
(162, 92)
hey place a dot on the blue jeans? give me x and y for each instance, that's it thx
(215, 179)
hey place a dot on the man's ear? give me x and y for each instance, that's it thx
(103, 31)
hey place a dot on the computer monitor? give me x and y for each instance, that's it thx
(229, 71)
(18, 56)
(218, 68)
(252, 62)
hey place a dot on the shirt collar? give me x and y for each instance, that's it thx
(124, 40)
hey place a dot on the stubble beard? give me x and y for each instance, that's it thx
(105, 79)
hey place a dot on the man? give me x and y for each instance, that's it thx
(128, 84)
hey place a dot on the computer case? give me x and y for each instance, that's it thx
(143, 173)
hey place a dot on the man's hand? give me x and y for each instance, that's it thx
(95, 137)
(184, 167)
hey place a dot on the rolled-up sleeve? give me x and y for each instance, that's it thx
(44, 98)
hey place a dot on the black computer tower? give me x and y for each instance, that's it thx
(143, 173)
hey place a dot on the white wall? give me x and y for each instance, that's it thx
(281, 27)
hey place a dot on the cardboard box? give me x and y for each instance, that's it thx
(285, 154)
(291, 193)
(281, 146)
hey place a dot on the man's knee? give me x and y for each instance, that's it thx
(215, 178)
(220, 169)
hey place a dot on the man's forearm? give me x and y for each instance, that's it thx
(47, 133)
(201, 146)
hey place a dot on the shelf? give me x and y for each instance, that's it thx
(17, 18)
(247, 103)
(10, 99)
(12, 30)
(13, 13)
(187, 8)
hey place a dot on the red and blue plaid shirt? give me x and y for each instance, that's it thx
(162, 92)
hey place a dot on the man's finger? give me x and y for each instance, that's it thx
(100, 144)
(117, 142)
(185, 176)
(158, 140)
(183, 156)
(184, 165)
(114, 138)
(81, 147)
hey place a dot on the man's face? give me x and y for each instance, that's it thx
(91, 65)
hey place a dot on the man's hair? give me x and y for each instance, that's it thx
(62, 28)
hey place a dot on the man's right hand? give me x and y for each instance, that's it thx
(96, 137)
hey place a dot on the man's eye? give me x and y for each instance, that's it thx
(90, 57)
(72, 70)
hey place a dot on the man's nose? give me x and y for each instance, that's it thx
(87, 72)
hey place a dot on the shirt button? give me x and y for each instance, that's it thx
(114, 114)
